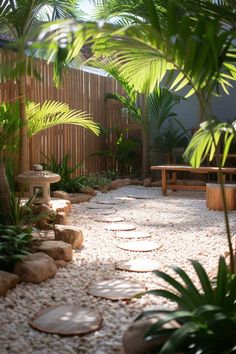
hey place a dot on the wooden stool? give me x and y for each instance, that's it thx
(214, 198)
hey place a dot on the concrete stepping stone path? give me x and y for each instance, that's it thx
(115, 289)
(135, 196)
(120, 227)
(104, 218)
(138, 265)
(139, 246)
(66, 320)
(132, 234)
(109, 202)
(99, 206)
(97, 212)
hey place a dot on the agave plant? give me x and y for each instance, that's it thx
(206, 316)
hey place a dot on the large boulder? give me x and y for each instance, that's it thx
(69, 234)
(35, 268)
(133, 339)
(7, 282)
(57, 250)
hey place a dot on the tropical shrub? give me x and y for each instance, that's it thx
(14, 242)
(206, 313)
(171, 137)
(67, 182)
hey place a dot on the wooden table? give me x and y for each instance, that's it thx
(185, 168)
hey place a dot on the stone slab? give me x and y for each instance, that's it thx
(99, 206)
(96, 212)
(135, 196)
(139, 246)
(109, 202)
(66, 320)
(104, 218)
(120, 227)
(115, 289)
(138, 265)
(132, 234)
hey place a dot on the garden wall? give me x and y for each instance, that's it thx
(81, 90)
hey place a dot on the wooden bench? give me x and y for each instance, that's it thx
(185, 168)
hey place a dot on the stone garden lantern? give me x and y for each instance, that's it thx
(39, 183)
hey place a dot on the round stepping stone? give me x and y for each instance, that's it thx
(138, 265)
(97, 212)
(109, 202)
(132, 234)
(120, 227)
(115, 289)
(108, 218)
(139, 246)
(99, 206)
(141, 196)
(66, 320)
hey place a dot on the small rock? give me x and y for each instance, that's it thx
(88, 190)
(80, 198)
(61, 218)
(57, 250)
(46, 221)
(104, 188)
(69, 234)
(147, 182)
(7, 282)
(60, 195)
(117, 183)
(156, 183)
(135, 182)
(60, 263)
(35, 268)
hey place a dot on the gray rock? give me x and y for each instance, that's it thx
(57, 250)
(69, 234)
(7, 282)
(35, 268)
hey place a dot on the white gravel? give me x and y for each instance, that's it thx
(180, 221)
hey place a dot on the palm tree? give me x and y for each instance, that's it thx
(20, 20)
(199, 45)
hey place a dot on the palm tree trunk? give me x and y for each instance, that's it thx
(24, 141)
(146, 143)
(4, 193)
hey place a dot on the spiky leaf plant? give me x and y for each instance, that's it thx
(206, 314)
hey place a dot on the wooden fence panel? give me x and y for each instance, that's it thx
(82, 91)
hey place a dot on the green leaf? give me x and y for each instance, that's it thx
(205, 282)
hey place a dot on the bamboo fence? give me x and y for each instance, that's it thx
(82, 91)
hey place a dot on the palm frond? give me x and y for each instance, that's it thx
(52, 113)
